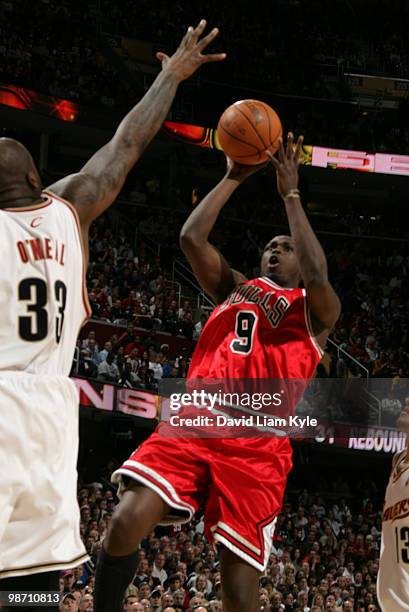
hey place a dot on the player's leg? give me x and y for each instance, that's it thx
(240, 583)
(162, 482)
(39, 517)
(138, 512)
(45, 581)
(248, 481)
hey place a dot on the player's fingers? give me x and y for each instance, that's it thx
(187, 37)
(297, 154)
(208, 39)
(162, 57)
(281, 152)
(273, 160)
(198, 31)
(290, 142)
(213, 57)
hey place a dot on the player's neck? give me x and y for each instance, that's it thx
(20, 201)
(289, 282)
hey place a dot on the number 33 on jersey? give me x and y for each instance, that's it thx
(43, 300)
(262, 330)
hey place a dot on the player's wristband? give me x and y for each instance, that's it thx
(293, 193)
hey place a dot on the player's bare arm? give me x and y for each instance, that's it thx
(322, 300)
(96, 186)
(212, 271)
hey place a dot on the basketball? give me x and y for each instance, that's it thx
(247, 130)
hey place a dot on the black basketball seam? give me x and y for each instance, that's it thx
(239, 140)
(280, 127)
(254, 128)
(269, 124)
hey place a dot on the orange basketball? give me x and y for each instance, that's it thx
(247, 130)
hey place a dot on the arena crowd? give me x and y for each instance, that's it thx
(61, 49)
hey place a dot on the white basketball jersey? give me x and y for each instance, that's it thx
(43, 299)
(393, 577)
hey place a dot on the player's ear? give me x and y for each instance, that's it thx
(33, 180)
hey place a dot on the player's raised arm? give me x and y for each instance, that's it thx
(210, 267)
(322, 300)
(96, 186)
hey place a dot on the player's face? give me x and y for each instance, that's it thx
(279, 261)
(403, 419)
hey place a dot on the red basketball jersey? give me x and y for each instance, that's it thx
(260, 331)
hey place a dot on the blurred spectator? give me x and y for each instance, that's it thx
(103, 354)
(156, 367)
(68, 603)
(86, 603)
(108, 370)
(127, 378)
(158, 570)
(199, 326)
(87, 366)
(131, 603)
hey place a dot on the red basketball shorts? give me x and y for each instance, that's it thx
(240, 481)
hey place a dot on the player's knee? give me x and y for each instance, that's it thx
(136, 515)
(120, 522)
(123, 535)
(124, 527)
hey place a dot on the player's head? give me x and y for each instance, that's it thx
(18, 174)
(279, 262)
(403, 419)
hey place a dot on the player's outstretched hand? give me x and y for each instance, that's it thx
(287, 164)
(189, 55)
(239, 172)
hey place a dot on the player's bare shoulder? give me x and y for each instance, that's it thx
(81, 191)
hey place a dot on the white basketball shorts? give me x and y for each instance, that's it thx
(39, 514)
